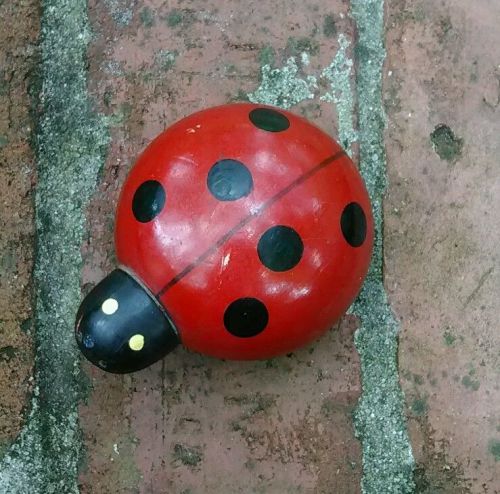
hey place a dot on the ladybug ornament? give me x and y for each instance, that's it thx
(243, 232)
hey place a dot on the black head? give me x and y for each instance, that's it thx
(121, 328)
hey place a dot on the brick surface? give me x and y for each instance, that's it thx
(442, 256)
(18, 61)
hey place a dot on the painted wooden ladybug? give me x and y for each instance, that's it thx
(243, 231)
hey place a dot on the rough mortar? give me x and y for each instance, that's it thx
(379, 418)
(70, 146)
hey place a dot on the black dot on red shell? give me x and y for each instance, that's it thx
(229, 180)
(149, 200)
(280, 248)
(246, 317)
(269, 119)
(353, 224)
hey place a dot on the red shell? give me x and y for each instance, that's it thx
(199, 254)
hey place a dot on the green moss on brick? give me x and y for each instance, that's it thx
(446, 144)
(494, 448)
(329, 26)
(470, 383)
(147, 17)
(419, 407)
(296, 46)
(174, 18)
(187, 455)
(267, 56)
(449, 338)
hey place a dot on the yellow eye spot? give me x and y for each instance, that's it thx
(136, 342)
(109, 306)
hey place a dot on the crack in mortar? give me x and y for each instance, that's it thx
(379, 419)
(71, 144)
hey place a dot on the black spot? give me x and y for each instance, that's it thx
(229, 180)
(446, 144)
(246, 317)
(280, 248)
(270, 120)
(148, 201)
(353, 224)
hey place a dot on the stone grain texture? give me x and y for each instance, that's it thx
(442, 234)
(18, 64)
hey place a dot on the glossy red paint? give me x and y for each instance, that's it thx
(199, 254)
